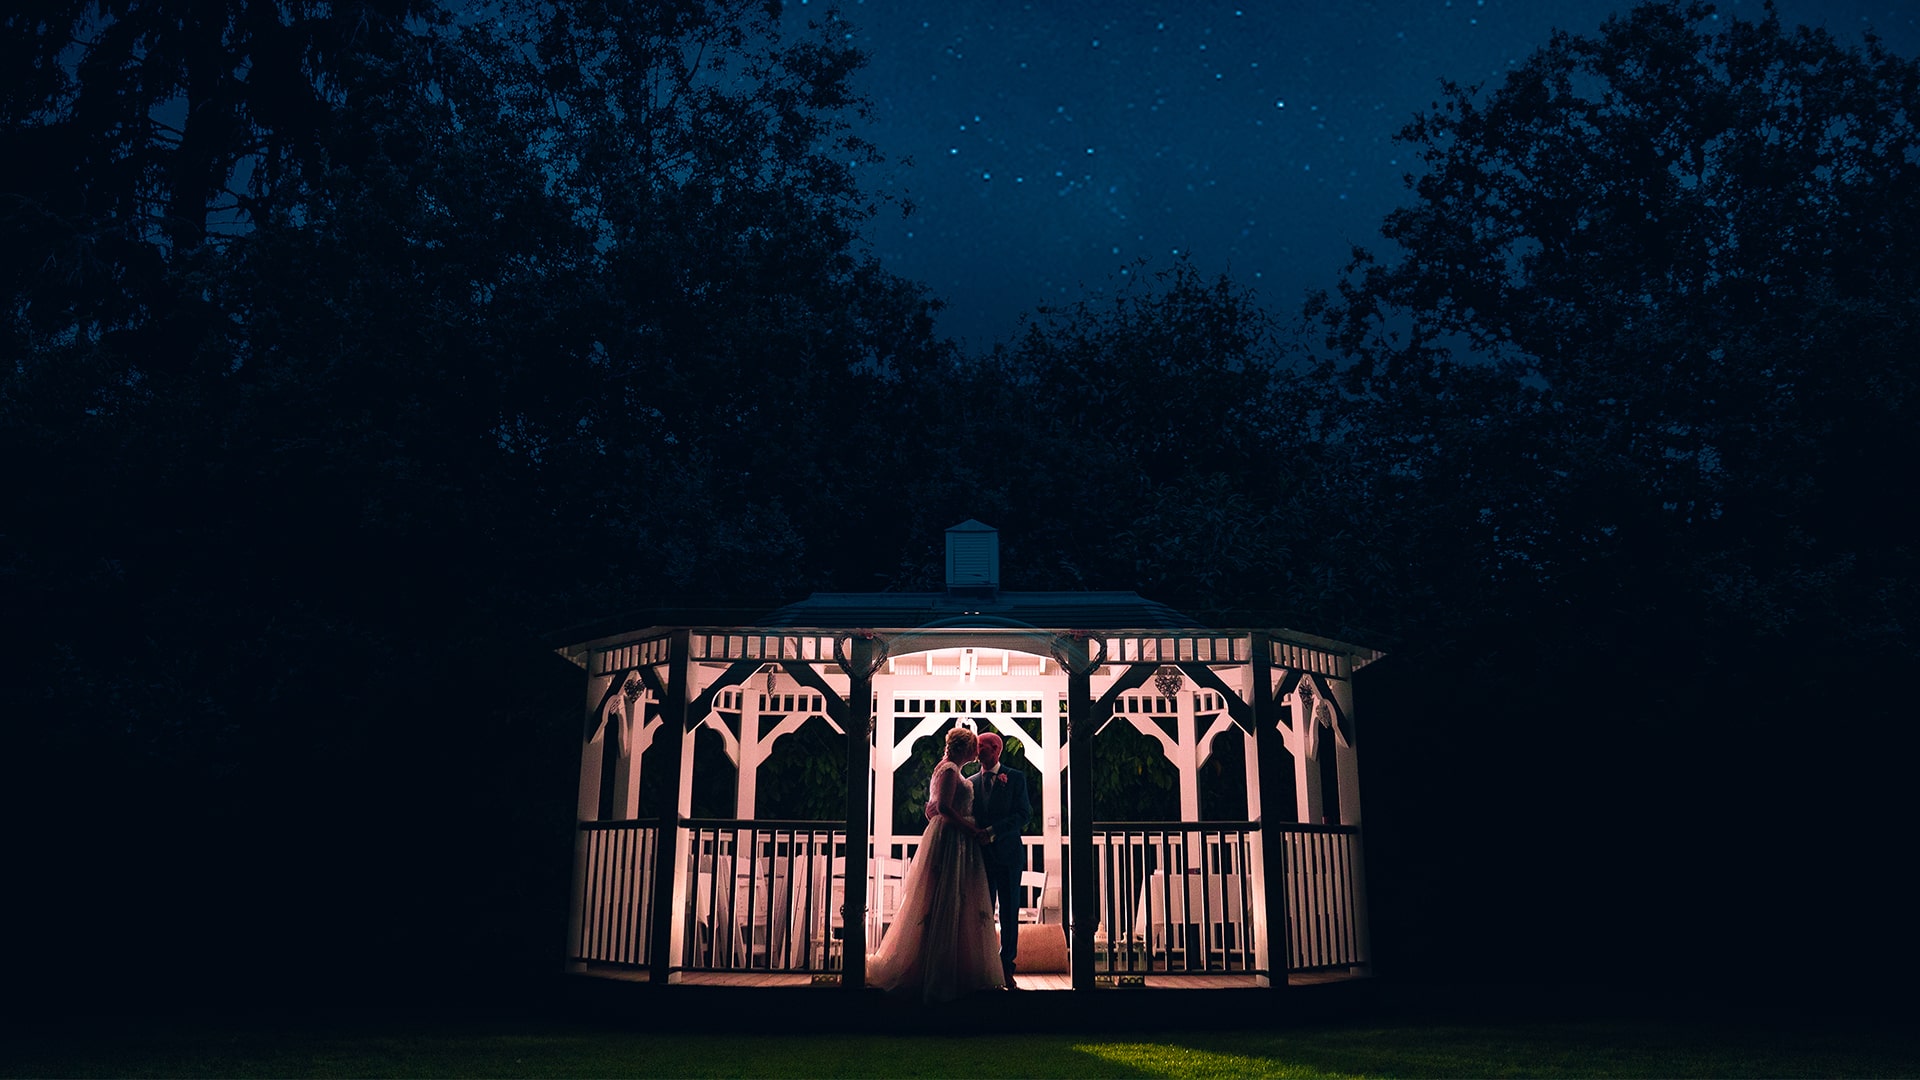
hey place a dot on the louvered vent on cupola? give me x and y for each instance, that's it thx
(973, 558)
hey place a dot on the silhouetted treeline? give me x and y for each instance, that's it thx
(351, 349)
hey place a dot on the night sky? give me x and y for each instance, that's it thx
(1053, 144)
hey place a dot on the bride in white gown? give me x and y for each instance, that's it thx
(943, 942)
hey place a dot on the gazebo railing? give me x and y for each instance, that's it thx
(764, 895)
(1179, 897)
(614, 922)
(1322, 902)
(889, 869)
(1176, 897)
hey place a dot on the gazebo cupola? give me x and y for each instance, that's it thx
(670, 897)
(973, 561)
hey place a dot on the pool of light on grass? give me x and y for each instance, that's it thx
(1168, 1059)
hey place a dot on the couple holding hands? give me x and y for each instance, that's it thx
(942, 943)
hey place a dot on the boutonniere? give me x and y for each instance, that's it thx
(1001, 779)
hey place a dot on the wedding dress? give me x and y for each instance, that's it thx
(943, 942)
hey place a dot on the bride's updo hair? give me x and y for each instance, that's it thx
(961, 737)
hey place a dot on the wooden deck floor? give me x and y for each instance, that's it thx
(1042, 982)
(768, 1002)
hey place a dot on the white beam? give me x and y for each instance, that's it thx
(903, 749)
(1144, 724)
(1346, 756)
(593, 747)
(1188, 763)
(746, 789)
(1220, 723)
(1306, 762)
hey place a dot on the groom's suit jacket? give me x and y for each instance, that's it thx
(1003, 807)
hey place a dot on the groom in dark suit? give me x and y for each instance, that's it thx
(1000, 807)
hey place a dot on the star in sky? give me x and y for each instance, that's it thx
(1056, 144)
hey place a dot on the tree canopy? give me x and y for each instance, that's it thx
(1644, 318)
(349, 348)
(1628, 395)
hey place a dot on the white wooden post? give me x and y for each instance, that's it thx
(1186, 756)
(1346, 757)
(1306, 759)
(859, 667)
(1269, 848)
(1347, 760)
(746, 797)
(746, 791)
(635, 735)
(1080, 660)
(1239, 681)
(1253, 775)
(669, 883)
(587, 805)
(683, 799)
(592, 748)
(885, 761)
(1050, 765)
(1195, 855)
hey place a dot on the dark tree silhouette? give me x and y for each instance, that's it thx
(728, 364)
(350, 347)
(340, 366)
(1643, 313)
(1630, 401)
(1158, 438)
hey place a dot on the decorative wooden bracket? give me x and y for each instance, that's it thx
(1342, 727)
(1237, 707)
(653, 681)
(1287, 679)
(1133, 678)
(803, 672)
(619, 684)
(736, 673)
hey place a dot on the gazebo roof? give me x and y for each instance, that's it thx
(973, 605)
(949, 617)
(1046, 610)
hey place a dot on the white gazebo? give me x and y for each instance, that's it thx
(672, 898)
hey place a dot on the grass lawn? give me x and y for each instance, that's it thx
(537, 1048)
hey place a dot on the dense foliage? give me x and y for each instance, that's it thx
(349, 348)
(1632, 402)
